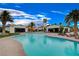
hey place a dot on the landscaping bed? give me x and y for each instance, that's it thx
(8, 34)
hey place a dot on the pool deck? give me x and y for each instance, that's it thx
(10, 47)
(60, 36)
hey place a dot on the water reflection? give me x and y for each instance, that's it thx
(75, 48)
(31, 38)
(45, 40)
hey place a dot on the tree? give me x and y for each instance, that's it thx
(31, 25)
(5, 17)
(61, 28)
(60, 23)
(73, 16)
(55, 24)
(44, 21)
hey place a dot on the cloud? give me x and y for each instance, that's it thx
(24, 18)
(40, 15)
(26, 21)
(17, 6)
(58, 12)
(23, 22)
(12, 11)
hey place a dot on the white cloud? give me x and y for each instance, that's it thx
(42, 16)
(23, 22)
(48, 18)
(31, 16)
(26, 21)
(39, 15)
(14, 12)
(27, 18)
(17, 6)
(59, 12)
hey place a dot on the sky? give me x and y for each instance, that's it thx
(24, 13)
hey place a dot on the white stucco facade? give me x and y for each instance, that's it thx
(11, 28)
(56, 26)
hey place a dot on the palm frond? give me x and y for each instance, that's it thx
(5, 16)
(72, 16)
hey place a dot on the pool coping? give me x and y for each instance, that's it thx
(60, 36)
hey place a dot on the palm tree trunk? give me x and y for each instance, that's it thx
(3, 29)
(44, 27)
(75, 29)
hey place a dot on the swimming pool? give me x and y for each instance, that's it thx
(38, 44)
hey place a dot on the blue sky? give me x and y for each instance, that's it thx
(54, 12)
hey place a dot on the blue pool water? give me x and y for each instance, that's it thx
(38, 44)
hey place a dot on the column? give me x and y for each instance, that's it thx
(26, 29)
(12, 30)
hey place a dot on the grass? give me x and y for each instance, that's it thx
(9, 34)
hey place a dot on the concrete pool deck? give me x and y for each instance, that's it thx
(60, 36)
(10, 47)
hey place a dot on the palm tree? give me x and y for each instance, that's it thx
(5, 17)
(55, 24)
(61, 28)
(32, 24)
(73, 16)
(44, 21)
(60, 24)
